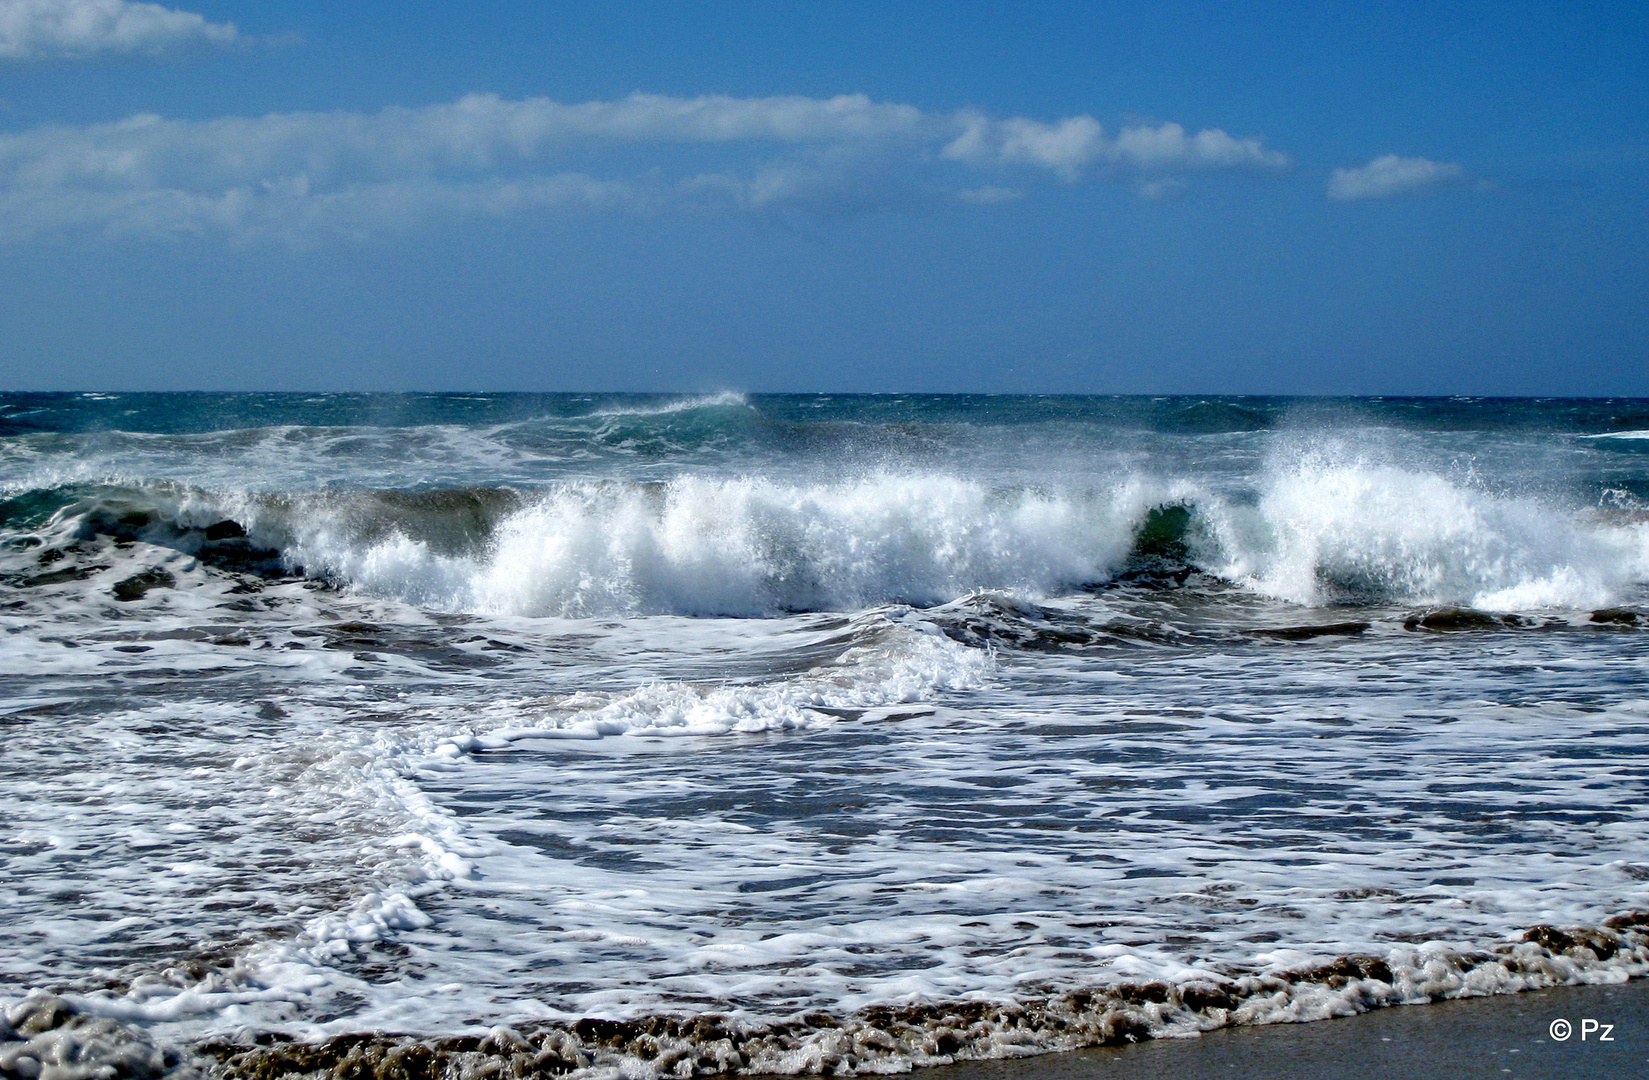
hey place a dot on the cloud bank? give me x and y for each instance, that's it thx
(1387, 176)
(44, 29)
(293, 174)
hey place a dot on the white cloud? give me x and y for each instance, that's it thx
(1387, 176)
(477, 133)
(31, 29)
(289, 173)
(288, 211)
(1077, 146)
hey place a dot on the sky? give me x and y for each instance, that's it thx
(1196, 197)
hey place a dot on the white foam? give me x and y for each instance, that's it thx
(1321, 530)
(907, 664)
(1320, 524)
(745, 546)
(1003, 853)
(1326, 528)
(723, 399)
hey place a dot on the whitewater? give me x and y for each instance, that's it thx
(607, 735)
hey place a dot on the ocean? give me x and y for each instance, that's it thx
(410, 736)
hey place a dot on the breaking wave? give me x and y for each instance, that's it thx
(1316, 533)
(724, 399)
(1331, 533)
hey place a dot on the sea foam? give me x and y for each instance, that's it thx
(1311, 531)
(1328, 531)
(1316, 533)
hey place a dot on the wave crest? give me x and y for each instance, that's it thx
(1316, 533)
(1324, 532)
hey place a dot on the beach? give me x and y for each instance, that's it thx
(1478, 1037)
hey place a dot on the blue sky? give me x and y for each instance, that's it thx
(1039, 197)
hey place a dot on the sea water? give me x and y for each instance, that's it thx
(648, 736)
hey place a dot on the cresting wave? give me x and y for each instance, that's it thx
(724, 399)
(1317, 532)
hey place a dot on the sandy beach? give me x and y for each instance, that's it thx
(1506, 1036)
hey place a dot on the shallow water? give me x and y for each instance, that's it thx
(425, 715)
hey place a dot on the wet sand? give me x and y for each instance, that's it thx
(1499, 1037)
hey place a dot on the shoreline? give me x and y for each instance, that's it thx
(1503, 1035)
(1480, 1038)
(1078, 1031)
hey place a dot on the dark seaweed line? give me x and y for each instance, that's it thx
(822, 1044)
